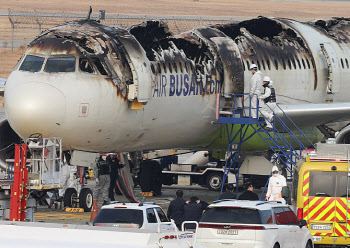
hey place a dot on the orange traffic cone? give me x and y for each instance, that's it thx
(94, 211)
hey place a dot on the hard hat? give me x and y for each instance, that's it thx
(267, 79)
(274, 168)
(253, 66)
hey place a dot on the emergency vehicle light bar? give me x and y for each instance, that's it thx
(331, 160)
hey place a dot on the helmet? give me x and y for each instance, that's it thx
(266, 79)
(274, 168)
(253, 66)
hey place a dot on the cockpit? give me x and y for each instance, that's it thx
(62, 64)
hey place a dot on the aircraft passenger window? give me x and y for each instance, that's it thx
(342, 63)
(85, 66)
(276, 64)
(302, 60)
(253, 62)
(294, 65)
(289, 64)
(268, 64)
(308, 63)
(32, 63)
(263, 64)
(180, 66)
(347, 63)
(175, 67)
(164, 67)
(159, 68)
(258, 64)
(299, 63)
(170, 68)
(99, 66)
(312, 62)
(152, 68)
(60, 64)
(243, 65)
(187, 66)
(284, 64)
(248, 64)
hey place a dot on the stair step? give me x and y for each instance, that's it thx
(279, 147)
(272, 139)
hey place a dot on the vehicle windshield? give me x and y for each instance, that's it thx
(119, 216)
(328, 183)
(231, 215)
(60, 64)
(32, 63)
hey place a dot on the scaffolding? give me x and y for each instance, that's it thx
(285, 141)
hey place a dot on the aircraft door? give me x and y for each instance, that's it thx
(140, 68)
(232, 64)
(333, 67)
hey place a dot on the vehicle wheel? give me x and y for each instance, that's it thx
(214, 181)
(308, 245)
(69, 198)
(276, 245)
(86, 199)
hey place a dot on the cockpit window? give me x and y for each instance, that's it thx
(62, 64)
(99, 66)
(32, 63)
(85, 66)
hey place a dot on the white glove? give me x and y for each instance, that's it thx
(97, 180)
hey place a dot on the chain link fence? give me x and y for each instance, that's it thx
(25, 26)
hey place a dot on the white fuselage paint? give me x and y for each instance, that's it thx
(51, 104)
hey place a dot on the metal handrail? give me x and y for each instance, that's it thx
(195, 234)
(302, 135)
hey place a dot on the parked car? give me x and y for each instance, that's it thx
(255, 224)
(132, 215)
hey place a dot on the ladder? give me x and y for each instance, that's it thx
(18, 202)
(286, 144)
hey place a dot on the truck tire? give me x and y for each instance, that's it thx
(214, 181)
(86, 199)
(69, 198)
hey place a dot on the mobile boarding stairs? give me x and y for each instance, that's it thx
(285, 140)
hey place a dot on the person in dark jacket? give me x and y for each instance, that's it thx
(102, 173)
(176, 209)
(194, 210)
(248, 194)
(115, 164)
(229, 193)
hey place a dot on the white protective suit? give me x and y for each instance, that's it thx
(255, 86)
(269, 107)
(274, 190)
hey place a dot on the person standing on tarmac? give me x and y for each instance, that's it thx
(176, 210)
(102, 173)
(269, 98)
(115, 164)
(249, 194)
(229, 193)
(276, 182)
(194, 210)
(254, 92)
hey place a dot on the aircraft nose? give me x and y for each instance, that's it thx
(35, 107)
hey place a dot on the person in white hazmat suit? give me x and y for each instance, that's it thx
(255, 85)
(269, 105)
(276, 182)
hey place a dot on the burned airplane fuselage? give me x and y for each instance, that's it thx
(104, 88)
